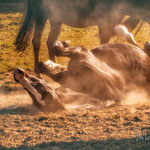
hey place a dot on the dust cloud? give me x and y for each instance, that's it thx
(136, 97)
(14, 100)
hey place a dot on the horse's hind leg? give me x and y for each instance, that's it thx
(54, 33)
(37, 41)
(131, 23)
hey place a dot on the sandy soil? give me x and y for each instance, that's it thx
(22, 126)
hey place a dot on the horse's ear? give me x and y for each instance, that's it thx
(66, 43)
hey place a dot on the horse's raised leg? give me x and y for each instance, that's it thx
(37, 43)
(131, 23)
(54, 33)
(62, 49)
(106, 29)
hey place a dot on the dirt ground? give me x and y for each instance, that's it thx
(22, 126)
(83, 127)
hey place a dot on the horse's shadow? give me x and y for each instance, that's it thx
(20, 110)
(11, 6)
(109, 144)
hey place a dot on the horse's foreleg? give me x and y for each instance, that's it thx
(54, 33)
(55, 71)
(36, 43)
(62, 49)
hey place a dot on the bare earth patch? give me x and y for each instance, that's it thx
(23, 127)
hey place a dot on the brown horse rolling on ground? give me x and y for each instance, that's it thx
(107, 72)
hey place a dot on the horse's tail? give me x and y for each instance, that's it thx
(26, 29)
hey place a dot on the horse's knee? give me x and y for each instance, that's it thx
(50, 51)
(36, 44)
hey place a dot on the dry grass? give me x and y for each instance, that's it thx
(23, 127)
(10, 59)
(87, 37)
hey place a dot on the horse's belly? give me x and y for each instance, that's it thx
(74, 19)
(81, 23)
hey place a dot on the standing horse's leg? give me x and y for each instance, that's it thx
(37, 42)
(54, 33)
(106, 31)
(40, 19)
(131, 23)
(105, 34)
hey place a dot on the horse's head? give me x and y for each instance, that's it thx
(41, 92)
